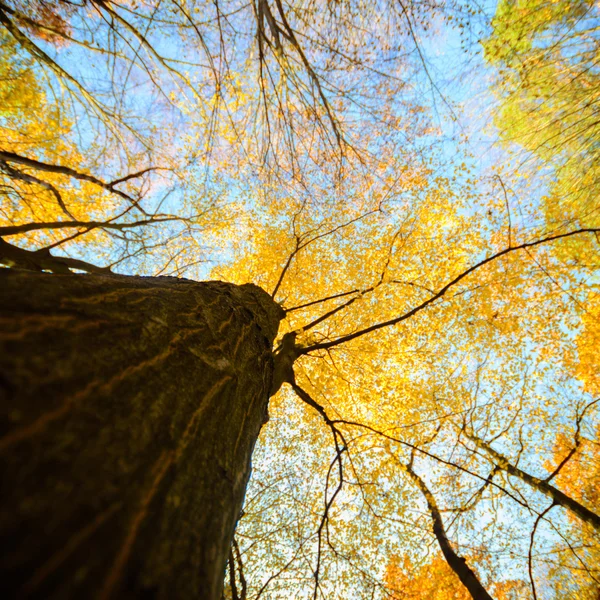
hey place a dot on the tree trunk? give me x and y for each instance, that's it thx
(130, 409)
(456, 562)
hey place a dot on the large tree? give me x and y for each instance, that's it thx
(131, 408)
(433, 311)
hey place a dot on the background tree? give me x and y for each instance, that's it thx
(547, 59)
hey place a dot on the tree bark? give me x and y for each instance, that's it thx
(456, 562)
(130, 407)
(559, 498)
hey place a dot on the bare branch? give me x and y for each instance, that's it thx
(16, 174)
(542, 486)
(530, 553)
(442, 291)
(456, 562)
(42, 166)
(42, 260)
(25, 227)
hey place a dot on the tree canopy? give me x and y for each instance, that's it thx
(416, 184)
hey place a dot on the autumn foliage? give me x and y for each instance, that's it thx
(433, 580)
(416, 184)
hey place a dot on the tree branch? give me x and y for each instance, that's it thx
(442, 291)
(456, 562)
(26, 227)
(542, 486)
(42, 260)
(42, 166)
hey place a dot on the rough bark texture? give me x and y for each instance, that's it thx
(130, 409)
